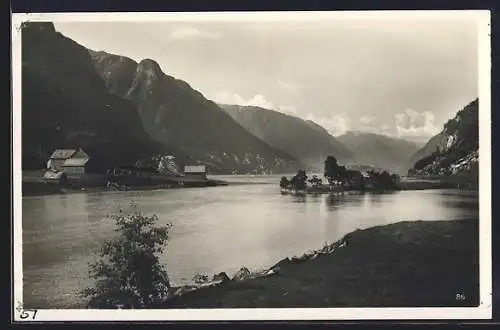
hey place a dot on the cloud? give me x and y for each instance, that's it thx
(335, 125)
(260, 101)
(187, 32)
(257, 100)
(288, 86)
(371, 124)
(415, 125)
(409, 125)
(365, 119)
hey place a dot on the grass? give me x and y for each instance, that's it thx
(33, 184)
(423, 185)
(408, 264)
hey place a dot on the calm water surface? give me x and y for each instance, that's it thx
(214, 229)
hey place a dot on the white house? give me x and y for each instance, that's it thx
(60, 156)
(199, 171)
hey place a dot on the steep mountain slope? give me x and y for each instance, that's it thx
(455, 149)
(426, 150)
(176, 115)
(379, 150)
(65, 104)
(305, 140)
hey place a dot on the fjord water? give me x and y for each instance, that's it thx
(214, 229)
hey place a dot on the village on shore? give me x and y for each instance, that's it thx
(70, 170)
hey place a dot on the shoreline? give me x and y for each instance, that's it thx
(45, 189)
(418, 263)
(434, 259)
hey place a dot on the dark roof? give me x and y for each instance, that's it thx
(62, 153)
(75, 162)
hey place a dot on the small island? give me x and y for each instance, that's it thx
(340, 179)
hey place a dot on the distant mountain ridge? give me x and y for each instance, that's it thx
(303, 139)
(378, 150)
(176, 115)
(65, 104)
(455, 149)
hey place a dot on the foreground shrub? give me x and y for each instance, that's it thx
(128, 272)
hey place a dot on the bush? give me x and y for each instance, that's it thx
(128, 272)
(284, 183)
(299, 181)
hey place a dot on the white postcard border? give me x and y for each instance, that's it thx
(483, 311)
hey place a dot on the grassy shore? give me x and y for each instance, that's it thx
(34, 185)
(41, 189)
(407, 264)
(423, 185)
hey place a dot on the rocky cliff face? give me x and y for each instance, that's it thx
(379, 151)
(454, 150)
(305, 140)
(65, 104)
(176, 115)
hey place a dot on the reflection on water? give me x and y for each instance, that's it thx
(214, 229)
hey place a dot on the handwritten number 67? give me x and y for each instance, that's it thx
(27, 313)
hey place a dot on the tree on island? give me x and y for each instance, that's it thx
(284, 182)
(383, 180)
(355, 179)
(299, 180)
(128, 273)
(342, 174)
(334, 172)
(331, 169)
(315, 181)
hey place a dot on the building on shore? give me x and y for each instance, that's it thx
(168, 166)
(196, 171)
(60, 156)
(75, 167)
(79, 168)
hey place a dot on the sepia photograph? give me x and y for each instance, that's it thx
(252, 165)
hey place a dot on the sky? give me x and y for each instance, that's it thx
(402, 78)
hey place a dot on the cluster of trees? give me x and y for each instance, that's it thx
(383, 180)
(299, 181)
(339, 175)
(336, 173)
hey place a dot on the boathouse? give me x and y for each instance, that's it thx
(75, 167)
(196, 171)
(60, 156)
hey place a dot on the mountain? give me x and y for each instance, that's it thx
(379, 151)
(426, 150)
(454, 151)
(65, 104)
(176, 115)
(305, 140)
